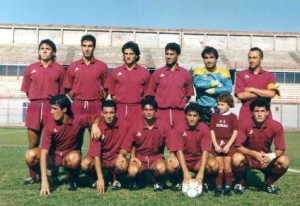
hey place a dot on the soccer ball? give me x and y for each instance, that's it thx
(191, 189)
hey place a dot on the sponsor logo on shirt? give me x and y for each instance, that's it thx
(54, 130)
(33, 71)
(139, 134)
(103, 137)
(76, 69)
(162, 75)
(222, 123)
(119, 74)
(184, 134)
(251, 131)
(246, 76)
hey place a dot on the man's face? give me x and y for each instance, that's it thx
(109, 114)
(254, 60)
(46, 52)
(148, 112)
(192, 118)
(129, 56)
(260, 114)
(57, 112)
(210, 61)
(171, 57)
(87, 48)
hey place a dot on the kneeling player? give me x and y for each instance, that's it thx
(191, 141)
(253, 145)
(146, 144)
(60, 143)
(102, 153)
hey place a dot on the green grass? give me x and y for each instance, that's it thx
(13, 144)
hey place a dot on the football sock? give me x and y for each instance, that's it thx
(273, 175)
(228, 178)
(219, 178)
(240, 174)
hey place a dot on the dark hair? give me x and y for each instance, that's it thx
(173, 47)
(226, 97)
(134, 47)
(261, 54)
(149, 101)
(192, 106)
(210, 50)
(63, 102)
(260, 102)
(51, 44)
(109, 103)
(88, 37)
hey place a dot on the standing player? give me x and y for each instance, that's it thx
(171, 86)
(60, 144)
(127, 83)
(254, 82)
(85, 80)
(253, 145)
(191, 141)
(210, 81)
(223, 131)
(41, 81)
(103, 153)
(146, 145)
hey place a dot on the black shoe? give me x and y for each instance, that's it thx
(239, 189)
(227, 191)
(158, 187)
(271, 189)
(205, 188)
(30, 181)
(72, 186)
(218, 191)
(133, 185)
(177, 187)
(116, 185)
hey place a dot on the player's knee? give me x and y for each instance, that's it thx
(30, 156)
(212, 165)
(86, 164)
(160, 168)
(74, 160)
(132, 171)
(237, 159)
(283, 161)
(171, 169)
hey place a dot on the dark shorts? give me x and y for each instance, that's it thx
(171, 117)
(86, 107)
(58, 156)
(220, 142)
(148, 160)
(191, 162)
(38, 114)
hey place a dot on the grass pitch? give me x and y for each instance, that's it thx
(13, 144)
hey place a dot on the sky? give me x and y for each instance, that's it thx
(237, 15)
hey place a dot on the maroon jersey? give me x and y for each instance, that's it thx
(42, 83)
(148, 142)
(128, 87)
(260, 139)
(109, 145)
(171, 89)
(64, 137)
(223, 125)
(191, 142)
(86, 81)
(247, 78)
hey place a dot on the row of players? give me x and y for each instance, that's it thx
(188, 144)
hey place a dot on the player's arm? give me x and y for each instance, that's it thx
(255, 154)
(100, 186)
(186, 173)
(268, 157)
(45, 188)
(200, 174)
(204, 84)
(214, 141)
(133, 158)
(230, 142)
(121, 159)
(95, 130)
(261, 92)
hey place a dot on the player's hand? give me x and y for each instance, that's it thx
(218, 149)
(100, 186)
(187, 177)
(45, 189)
(121, 162)
(259, 156)
(173, 161)
(95, 132)
(225, 149)
(266, 157)
(135, 160)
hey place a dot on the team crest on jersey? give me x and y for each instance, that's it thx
(33, 71)
(184, 134)
(139, 134)
(76, 69)
(246, 76)
(119, 74)
(162, 75)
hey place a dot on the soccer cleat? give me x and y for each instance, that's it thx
(227, 191)
(72, 186)
(116, 185)
(30, 181)
(205, 187)
(158, 187)
(271, 189)
(177, 187)
(238, 189)
(218, 191)
(133, 185)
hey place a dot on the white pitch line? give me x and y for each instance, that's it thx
(292, 170)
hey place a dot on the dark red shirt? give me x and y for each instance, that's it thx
(110, 141)
(246, 78)
(64, 137)
(171, 89)
(42, 83)
(128, 86)
(223, 125)
(148, 142)
(191, 142)
(260, 139)
(86, 81)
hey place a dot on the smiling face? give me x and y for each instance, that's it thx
(223, 107)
